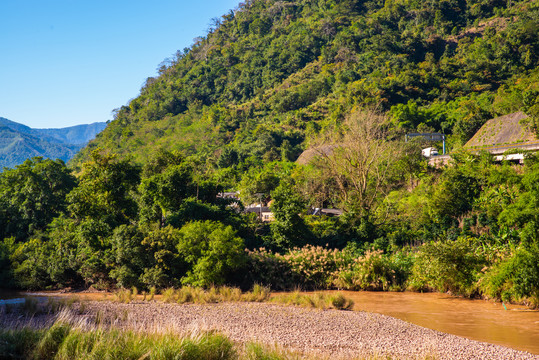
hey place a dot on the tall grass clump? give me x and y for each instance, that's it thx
(169, 295)
(317, 300)
(64, 342)
(19, 343)
(50, 343)
(188, 294)
(116, 344)
(125, 295)
(152, 292)
(259, 293)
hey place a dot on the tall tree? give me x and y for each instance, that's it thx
(105, 190)
(31, 195)
(362, 161)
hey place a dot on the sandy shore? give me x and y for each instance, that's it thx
(326, 332)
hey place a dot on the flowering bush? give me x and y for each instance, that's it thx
(375, 271)
(316, 266)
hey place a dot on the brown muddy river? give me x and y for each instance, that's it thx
(517, 327)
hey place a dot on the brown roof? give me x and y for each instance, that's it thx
(503, 130)
(308, 155)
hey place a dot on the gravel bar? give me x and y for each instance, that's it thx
(337, 334)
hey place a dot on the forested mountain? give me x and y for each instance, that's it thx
(270, 75)
(78, 134)
(344, 78)
(19, 142)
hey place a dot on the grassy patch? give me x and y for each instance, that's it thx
(316, 300)
(188, 294)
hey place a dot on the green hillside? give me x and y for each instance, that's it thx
(271, 74)
(143, 205)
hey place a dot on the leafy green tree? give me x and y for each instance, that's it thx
(29, 261)
(163, 193)
(213, 252)
(129, 256)
(94, 252)
(454, 194)
(31, 195)
(164, 266)
(257, 184)
(289, 229)
(105, 190)
(6, 271)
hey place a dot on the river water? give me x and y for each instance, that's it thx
(517, 327)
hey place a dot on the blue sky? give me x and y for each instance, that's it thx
(70, 62)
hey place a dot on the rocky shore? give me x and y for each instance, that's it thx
(327, 333)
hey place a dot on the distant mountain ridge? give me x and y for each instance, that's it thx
(19, 142)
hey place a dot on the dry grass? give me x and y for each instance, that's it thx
(316, 300)
(188, 294)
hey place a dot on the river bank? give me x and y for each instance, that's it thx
(509, 325)
(344, 334)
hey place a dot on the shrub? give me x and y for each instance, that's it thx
(375, 271)
(269, 269)
(315, 266)
(515, 278)
(448, 266)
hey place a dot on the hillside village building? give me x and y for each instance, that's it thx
(499, 135)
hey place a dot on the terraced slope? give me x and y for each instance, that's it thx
(508, 131)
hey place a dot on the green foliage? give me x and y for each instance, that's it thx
(455, 194)
(104, 190)
(375, 271)
(288, 229)
(165, 266)
(514, 278)
(452, 266)
(31, 195)
(129, 256)
(212, 250)
(6, 272)
(29, 263)
(164, 192)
